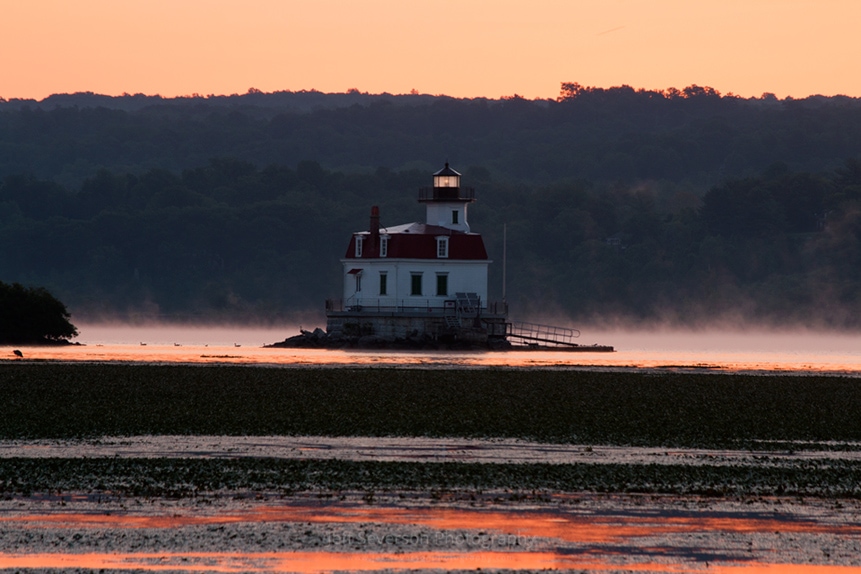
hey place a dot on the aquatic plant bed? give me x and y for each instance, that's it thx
(707, 410)
(176, 478)
(253, 469)
(423, 449)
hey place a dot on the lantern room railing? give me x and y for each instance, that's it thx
(447, 194)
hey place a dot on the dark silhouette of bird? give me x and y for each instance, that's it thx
(18, 353)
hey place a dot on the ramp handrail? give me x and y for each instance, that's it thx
(542, 333)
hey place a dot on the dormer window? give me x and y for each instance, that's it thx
(442, 247)
(359, 245)
(454, 217)
(384, 246)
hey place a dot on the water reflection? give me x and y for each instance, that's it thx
(697, 351)
(526, 525)
(352, 537)
(319, 562)
(632, 540)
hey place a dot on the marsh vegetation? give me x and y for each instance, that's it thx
(59, 401)
(563, 406)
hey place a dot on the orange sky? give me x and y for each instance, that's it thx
(461, 48)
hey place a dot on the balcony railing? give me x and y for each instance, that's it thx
(447, 194)
(411, 306)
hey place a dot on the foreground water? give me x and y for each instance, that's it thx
(410, 531)
(355, 533)
(769, 351)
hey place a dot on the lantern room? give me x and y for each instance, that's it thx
(446, 188)
(446, 178)
(446, 201)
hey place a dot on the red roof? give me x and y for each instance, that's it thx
(418, 241)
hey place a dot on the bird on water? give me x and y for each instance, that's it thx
(18, 353)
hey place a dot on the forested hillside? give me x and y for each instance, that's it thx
(677, 206)
(619, 134)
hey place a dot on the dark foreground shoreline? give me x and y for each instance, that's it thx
(112, 478)
(207, 509)
(66, 400)
(59, 401)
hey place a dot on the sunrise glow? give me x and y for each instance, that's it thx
(465, 49)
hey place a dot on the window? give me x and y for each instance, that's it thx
(454, 217)
(415, 283)
(384, 246)
(442, 284)
(442, 247)
(359, 244)
(384, 280)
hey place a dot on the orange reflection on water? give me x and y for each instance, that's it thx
(471, 538)
(576, 527)
(672, 359)
(719, 350)
(314, 562)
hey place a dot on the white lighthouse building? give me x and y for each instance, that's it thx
(425, 280)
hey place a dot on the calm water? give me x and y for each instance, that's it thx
(739, 351)
(338, 537)
(639, 540)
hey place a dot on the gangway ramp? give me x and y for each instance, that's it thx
(468, 304)
(534, 334)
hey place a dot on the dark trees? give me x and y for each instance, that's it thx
(614, 134)
(229, 241)
(641, 204)
(31, 315)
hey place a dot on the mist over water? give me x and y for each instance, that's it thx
(742, 349)
(630, 339)
(747, 350)
(798, 343)
(171, 334)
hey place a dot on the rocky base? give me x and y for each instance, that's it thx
(320, 339)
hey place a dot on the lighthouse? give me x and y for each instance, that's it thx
(425, 284)
(419, 281)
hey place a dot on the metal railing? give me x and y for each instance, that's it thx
(497, 308)
(446, 194)
(413, 305)
(533, 332)
(377, 306)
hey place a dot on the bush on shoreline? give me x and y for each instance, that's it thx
(31, 315)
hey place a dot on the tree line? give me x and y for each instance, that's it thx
(693, 135)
